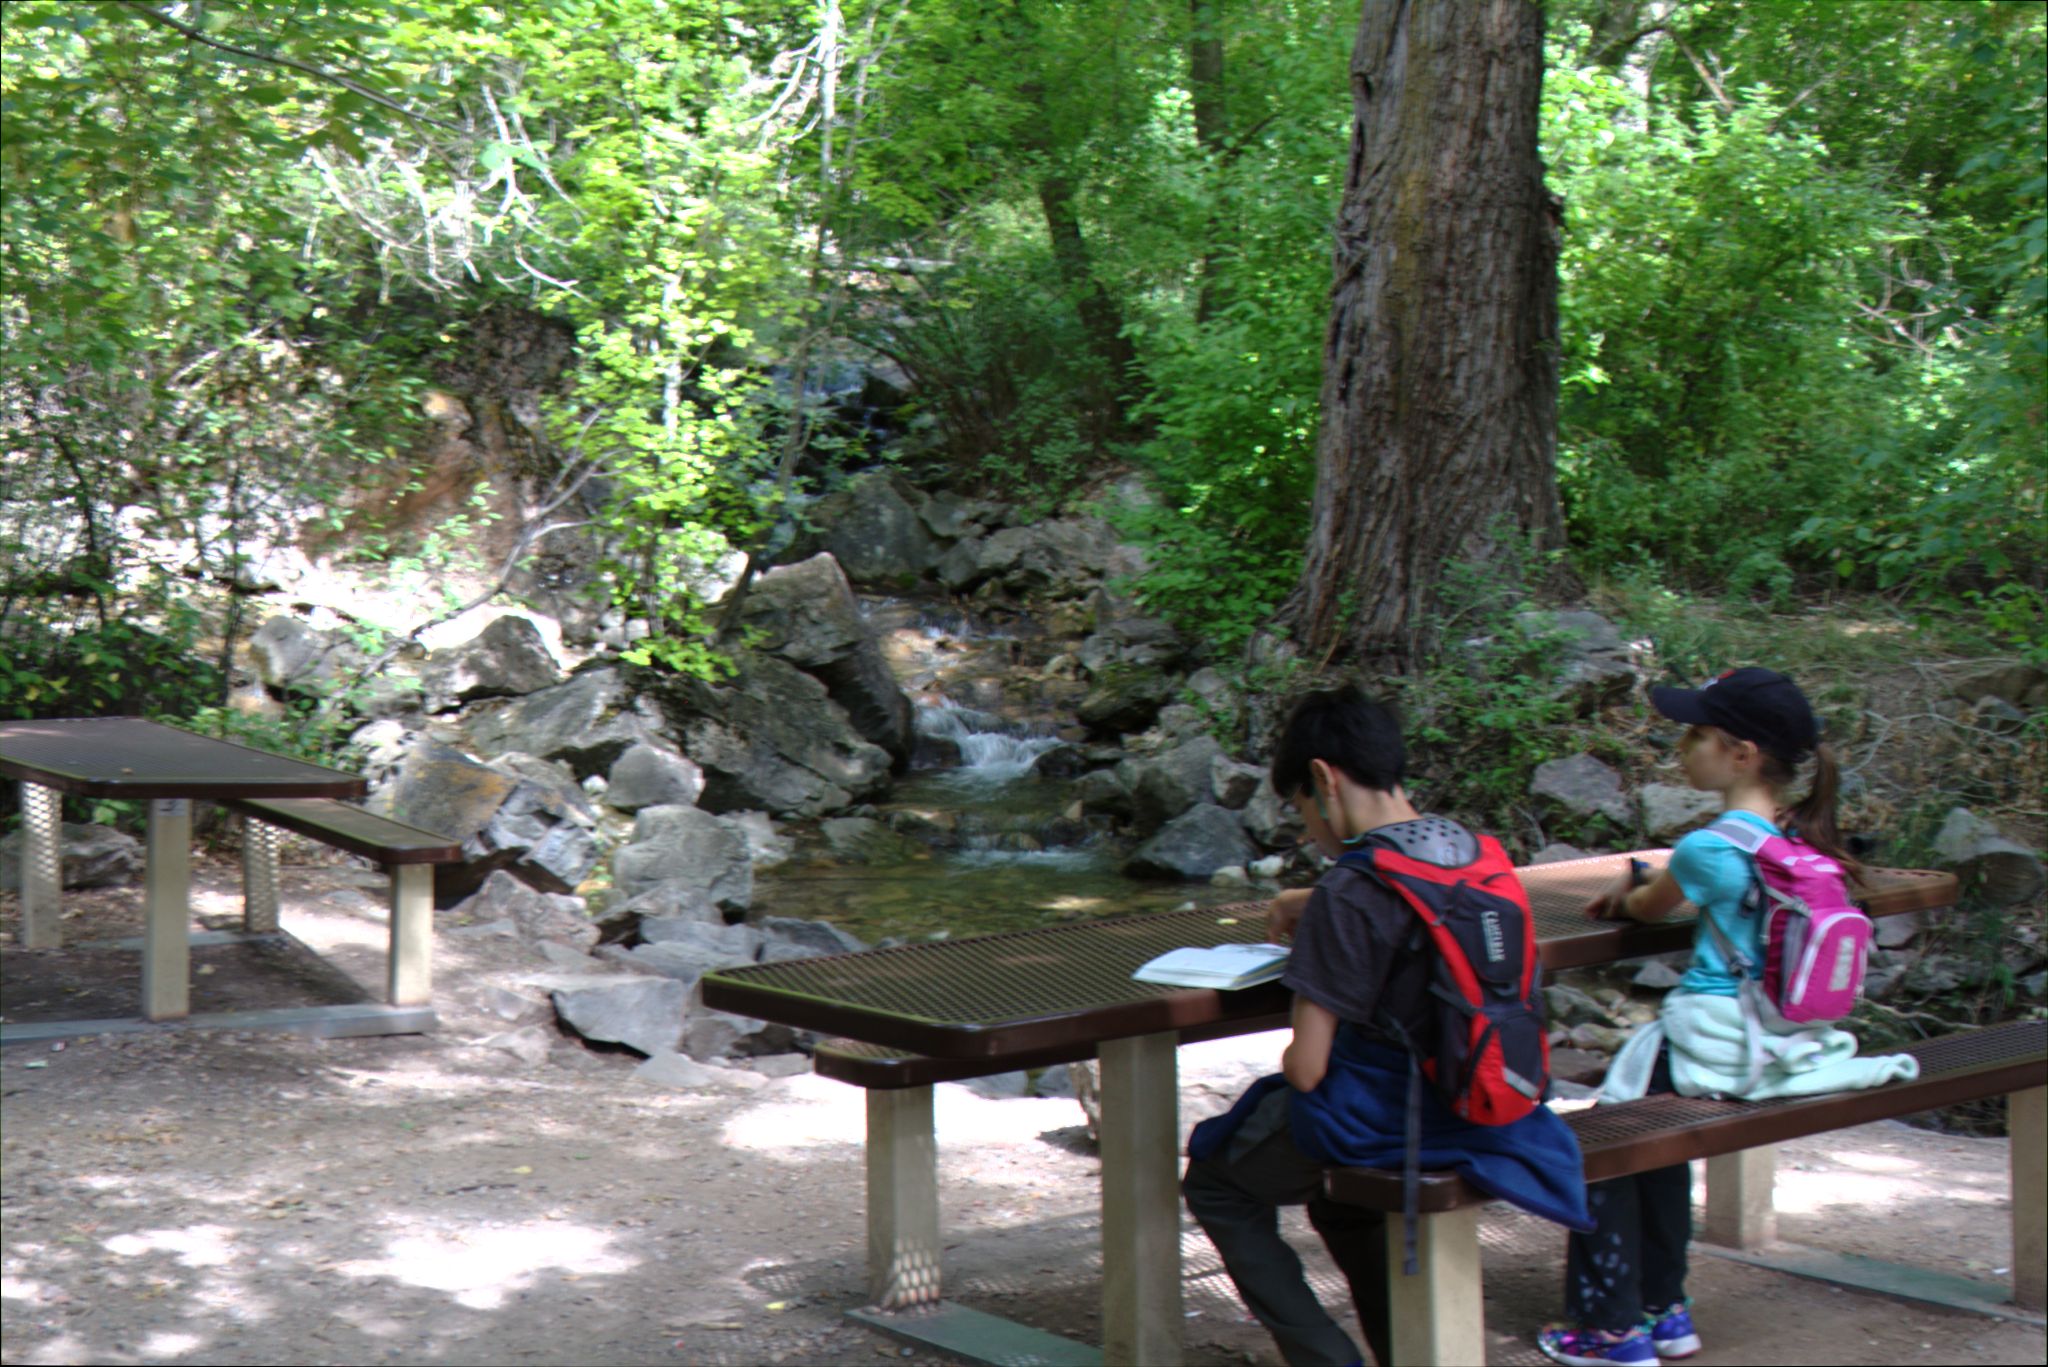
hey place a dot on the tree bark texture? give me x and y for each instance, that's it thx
(1440, 367)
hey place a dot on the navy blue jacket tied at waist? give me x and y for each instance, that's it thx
(1357, 1118)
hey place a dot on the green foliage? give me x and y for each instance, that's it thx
(1815, 309)
(1488, 705)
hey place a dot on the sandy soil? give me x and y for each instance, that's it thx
(233, 1198)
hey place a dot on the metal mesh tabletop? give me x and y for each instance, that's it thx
(130, 757)
(1559, 892)
(1062, 986)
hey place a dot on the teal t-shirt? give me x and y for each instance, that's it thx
(1715, 877)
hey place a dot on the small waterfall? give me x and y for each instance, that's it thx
(992, 749)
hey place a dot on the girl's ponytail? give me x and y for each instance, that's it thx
(1814, 816)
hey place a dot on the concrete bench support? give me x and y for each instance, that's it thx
(1740, 1211)
(1141, 1290)
(410, 980)
(167, 912)
(2027, 1131)
(903, 1199)
(42, 874)
(1438, 1315)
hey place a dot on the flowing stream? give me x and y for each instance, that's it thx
(985, 844)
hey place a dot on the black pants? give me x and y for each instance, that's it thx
(1634, 1260)
(1236, 1197)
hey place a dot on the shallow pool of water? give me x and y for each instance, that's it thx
(971, 892)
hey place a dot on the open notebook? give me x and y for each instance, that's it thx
(1220, 966)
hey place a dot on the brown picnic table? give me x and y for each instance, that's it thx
(129, 757)
(970, 1006)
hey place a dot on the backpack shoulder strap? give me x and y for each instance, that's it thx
(1739, 833)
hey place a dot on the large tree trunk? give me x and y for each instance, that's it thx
(1439, 404)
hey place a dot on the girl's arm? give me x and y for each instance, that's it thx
(1652, 901)
(1308, 1054)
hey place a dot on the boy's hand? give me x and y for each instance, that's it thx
(1283, 913)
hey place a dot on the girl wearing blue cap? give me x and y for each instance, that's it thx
(1748, 733)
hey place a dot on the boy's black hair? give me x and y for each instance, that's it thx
(1345, 729)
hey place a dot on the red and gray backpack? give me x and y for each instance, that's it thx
(1489, 1052)
(1490, 1057)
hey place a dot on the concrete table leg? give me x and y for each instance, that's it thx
(2027, 1131)
(42, 871)
(167, 911)
(1141, 1285)
(259, 876)
(411, 980)
(1740, 1213)
(1439, 1315)
(903, 1199)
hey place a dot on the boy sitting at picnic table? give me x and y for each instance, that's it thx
(1361, 970)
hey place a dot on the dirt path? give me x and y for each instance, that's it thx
(241, 1199)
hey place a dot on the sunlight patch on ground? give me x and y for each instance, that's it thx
(21, 1289)
(1815, 1192)
(808, 1111)
(163, 1344)
(194, 1246)
(482, 1268)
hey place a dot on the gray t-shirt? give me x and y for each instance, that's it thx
(1356, 953)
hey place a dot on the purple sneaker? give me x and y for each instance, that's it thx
(1593, 1348)
(1672, 1332)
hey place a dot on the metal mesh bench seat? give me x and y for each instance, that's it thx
(1657, 1131)
(1735, 1137)
(349, 827)
(407, 853)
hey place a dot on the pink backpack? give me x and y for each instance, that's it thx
(1816, 942)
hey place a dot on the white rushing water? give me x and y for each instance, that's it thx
(988, 756)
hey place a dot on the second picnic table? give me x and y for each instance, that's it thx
(133, 758)
(1028, 996)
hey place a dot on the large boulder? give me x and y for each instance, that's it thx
(1164, 785)
(688, 846)
(641, 1012)
(586, 723)
(521, 815)
(508, 659)
(1593, 668)
(1059, 556)
(807, 615)
(87, 857)
(689, 950)
(290, 653)
(1193, 845)
(539, 916)
(1582, 786)
(438, 788)
(1136, 642)
(874, 532)
(772, 739)
(1670, 811)
(1123, 699)
(652, 776)
(1999, 871)
(952, 517)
